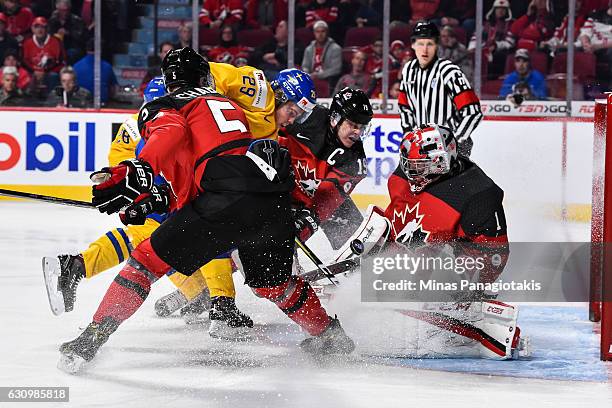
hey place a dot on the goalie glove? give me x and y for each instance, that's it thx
(306, 223)
(118, 186)
(155, 201)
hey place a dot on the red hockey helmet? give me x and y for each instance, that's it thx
(426, 153)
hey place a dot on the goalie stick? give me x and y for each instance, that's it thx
(46, 198)
(335, 269)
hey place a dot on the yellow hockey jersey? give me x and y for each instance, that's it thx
(247, 86)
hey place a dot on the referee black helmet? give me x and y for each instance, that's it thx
(425, 29)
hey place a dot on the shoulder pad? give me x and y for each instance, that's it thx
(458, 191)
(151, 109)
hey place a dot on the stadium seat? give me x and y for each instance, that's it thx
(209, 36)
(360, 36)
(347, 55)
(490, 89)
(461, 35)
(322, 87)
(584, 65)
(539, 62)
(557, 88)
(304, 35)
(254, 38)
(400, 33)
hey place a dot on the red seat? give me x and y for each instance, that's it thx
(557, 87)
(539, 62)
(254, 38)
(490, 89)
(461, 35)
(400, 33)
(584, 65)
(322, 87)
(304, 35)
(360, 36)
(209, 36)
(347, 54)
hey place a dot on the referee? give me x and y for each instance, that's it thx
(434, 90)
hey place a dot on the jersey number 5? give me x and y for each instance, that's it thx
(225, 126)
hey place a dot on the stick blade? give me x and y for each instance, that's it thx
(51, 274)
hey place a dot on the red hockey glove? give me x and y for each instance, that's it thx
(155, 201)
(120, 185)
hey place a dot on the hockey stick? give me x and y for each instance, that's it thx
(46, 198)
(335, 269)
(315, 259)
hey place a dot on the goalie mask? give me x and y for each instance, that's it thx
(427, 153)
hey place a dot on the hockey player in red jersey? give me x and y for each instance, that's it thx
(228, 192)
(439, 196)
(328, 161)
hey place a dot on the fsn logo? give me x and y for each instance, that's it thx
(44, 141)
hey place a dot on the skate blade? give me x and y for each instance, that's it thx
(525, 349)
(221, 331)
(192, 318)
(70, 363)
(51, 273)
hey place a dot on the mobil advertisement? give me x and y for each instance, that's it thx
(541, 165)
(54, 148)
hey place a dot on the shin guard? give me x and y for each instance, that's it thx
(299, 302)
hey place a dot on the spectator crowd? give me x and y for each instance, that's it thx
(46, 46)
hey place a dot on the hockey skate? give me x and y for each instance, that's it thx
(193, 311)
(226, 321)
(166, 305)
(62, 276)
(333, 340)
(521, 346)
(76, 353)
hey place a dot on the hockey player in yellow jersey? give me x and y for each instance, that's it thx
(248, 87)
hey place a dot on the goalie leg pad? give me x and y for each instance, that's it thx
(491, 325)
(372, 233)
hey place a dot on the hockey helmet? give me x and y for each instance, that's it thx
(425, 29)
(155, 89)
(427, 153)
(293, 85)
(353, 105)
(185, 67)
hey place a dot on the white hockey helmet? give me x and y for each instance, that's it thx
(426, 153)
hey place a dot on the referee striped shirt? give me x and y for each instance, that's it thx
(439, 94)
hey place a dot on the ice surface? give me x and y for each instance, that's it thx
(153, 362)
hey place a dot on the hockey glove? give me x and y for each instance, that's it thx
(120, 185)
(306, 223)
(155, 201)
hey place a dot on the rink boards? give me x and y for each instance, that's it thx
(543, 164)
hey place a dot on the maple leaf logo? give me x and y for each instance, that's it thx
(412, 233)
(307, 179)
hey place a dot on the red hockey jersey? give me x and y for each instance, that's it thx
(197, 140)
(325, 173)
(466, 206)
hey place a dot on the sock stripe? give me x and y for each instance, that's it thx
(116, 245)
(126, 240)
(141, 268)
(300, 302)
(126, 283)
